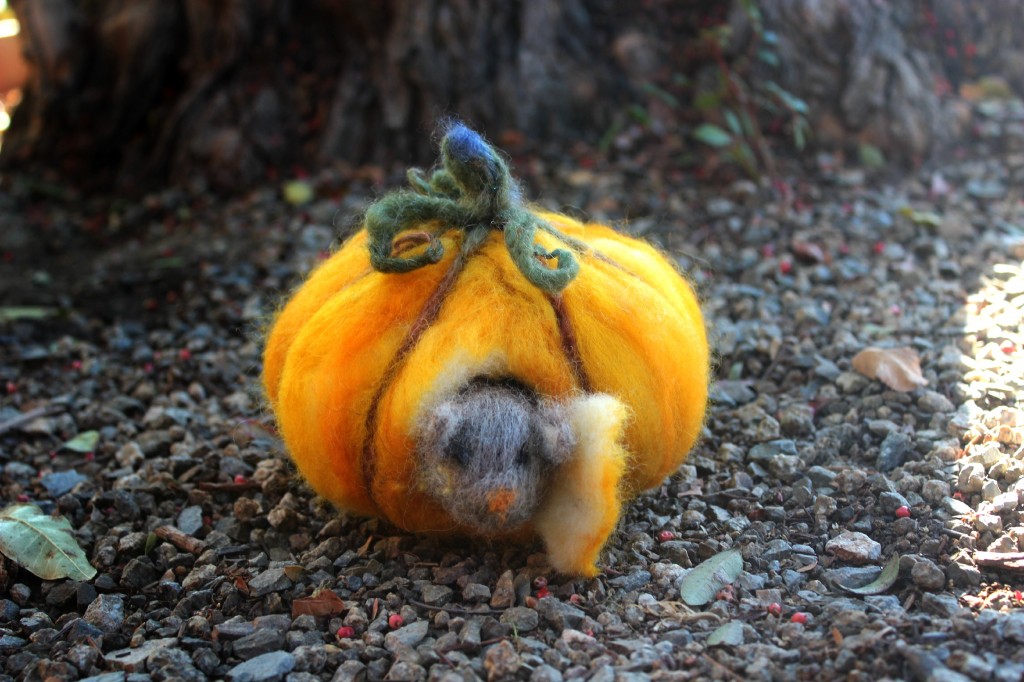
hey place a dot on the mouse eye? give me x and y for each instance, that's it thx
(458, 448)
(523, 456)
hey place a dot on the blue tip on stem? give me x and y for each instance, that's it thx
(465, 144)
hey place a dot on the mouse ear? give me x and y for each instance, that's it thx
(553, 429)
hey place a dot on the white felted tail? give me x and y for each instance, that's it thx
(584, 503)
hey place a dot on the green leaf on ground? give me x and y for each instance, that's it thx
(927, 218)
(884, 580)
(730, 634)
(42, 544)
(700, 585)
(870, 155)
(297, 192)
(84, 442)
(710, 134)
(13, 313)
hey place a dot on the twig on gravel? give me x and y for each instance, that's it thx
(228, 487)
(26, 417)
(955, 533)
(455, 610)
(722, 667)
(1009, 561)
(180, 540)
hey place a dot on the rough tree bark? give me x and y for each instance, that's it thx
(237, 89)
(884, 73)
(130, 93)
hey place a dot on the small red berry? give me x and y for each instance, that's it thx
(11, 387)
(543, 592)
(799, 617)
(785, 267)
(666, 536)
(346, 632)
(76, 365)
(90, 456)
(240, 479)
(395, 621)
(879, 248)
(775, 609)
(184, 354)
(1018, 595)
(902, 512)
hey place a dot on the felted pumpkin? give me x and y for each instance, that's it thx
(467, 364)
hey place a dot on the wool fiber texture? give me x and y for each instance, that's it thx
(569, 360)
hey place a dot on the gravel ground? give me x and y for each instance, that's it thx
(214, 559)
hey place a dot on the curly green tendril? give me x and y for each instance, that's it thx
(472, 191)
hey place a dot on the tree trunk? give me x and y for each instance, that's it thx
(887, 73)
(239, 91)
(128, 94)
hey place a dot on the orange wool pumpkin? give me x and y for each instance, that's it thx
(466, 364)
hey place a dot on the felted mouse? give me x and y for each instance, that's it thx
(466, 363)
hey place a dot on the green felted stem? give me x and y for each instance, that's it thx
(473, 192)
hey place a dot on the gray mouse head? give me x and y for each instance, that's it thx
(486, 453)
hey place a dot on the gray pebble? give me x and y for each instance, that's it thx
(350, 671)
(406, 636)
(927, 575)
(268, 667)
(933, 401)
(935, 491)
(437, 595)
(270, 580)
(476, 592)
(190, 520)
(893, 451)
(764, 452)
(633, 581)
(891, 501)
(971, 478)
(521, 618)
(62, 482)
(1004, 502)
(258, 643)
(559, 614)
(106, 612)
(776, 550)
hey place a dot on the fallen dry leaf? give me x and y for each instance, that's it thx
(897, 368)
(322, 603)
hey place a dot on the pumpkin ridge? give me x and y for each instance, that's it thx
(427, 316)
(608, 260)
(570, 346)
(500, 279)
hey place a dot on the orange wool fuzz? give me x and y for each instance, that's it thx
(636, 323)
(450, 376)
